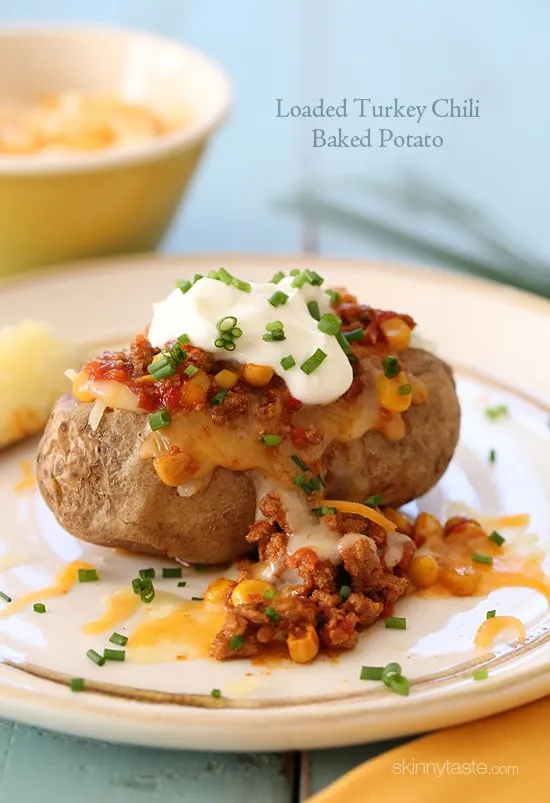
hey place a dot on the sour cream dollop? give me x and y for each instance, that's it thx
(197, 312)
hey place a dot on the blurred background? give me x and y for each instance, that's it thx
(476, 204)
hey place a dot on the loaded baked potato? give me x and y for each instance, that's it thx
(163, 447)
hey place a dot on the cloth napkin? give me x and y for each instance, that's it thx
(503, 758)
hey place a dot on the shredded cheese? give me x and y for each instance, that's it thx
(356, 508)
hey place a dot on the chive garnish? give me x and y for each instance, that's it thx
(219, 397)
(146, 573)
(272, 614)
(191, 370)
(199, 567)
(396, 623)
(288, 362)
(345, 591)
(333, 296)
(5, 597)
(197, 599)
(492, 456)
(355, 334)
(76, 684)
(500, 411)
(245, 287)
(391, 367)
(143, 587)
(226, 324)
(491, 614)
(477, 557)
(274, 332)
(344, 345)
(392, 677)
(371, 672)
(236, 642)
(225, 277)
(329, 324)
(278, 299)
(87, 576)
(114, 655)
(183, 339)
(271, 440)
(278, 277)
(374, 501)
(497, 538)
(314, 311)
(182, 584)
(184, 285)
(480, 674)
(294, 272)
(161, 369)
(172, 572)
(405, 390)
(95, 657)
(160, 419)
(118, 638)
(216, 693)
(299, 462)
(323, 511)
(270, 593)
(312, 363)
(39, 607)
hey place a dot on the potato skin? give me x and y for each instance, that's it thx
(401, 470)
(101, 490)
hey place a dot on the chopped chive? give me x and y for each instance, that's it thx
(87, 576)
(300, 480)
(477, 557)
(405, 390)
(245, 287)
(396, 623)
(161, 369)
(278, 299)
(299, 462)
(480, 674)
(312, 363)
(344, 345)
(213, 274)
(294, 272)
(182, 584)
(225, 276)
(183, 339)
(274, 326)
(496, 412)
(323, 511)
(270, 440)
(5, 597)
(219, 397)
(278, 277)
(398, 684)
(114, 655)
(355, 334)
(197, 599)
(497, 538)
(314, 311)
(76, 684)
(270, 593)
(333, 296)
(184, 285)
(329, 324)
(177, 354)
(216, 693)
(272, 614)
(237, 332)
(144, 588)
(288, 362)
(160, 419)
(146, 574)
(174, 571)
(371, 673)
(391, 367)
(236, 642)
(313, 278)
(374, 501)
(345, 591)
(226, 324)
(491, 614)
(95, 657)
(39, 607)
(299, 280)
(191, 370)
(197, 276)
(492, 456)
(118, 638)
(199, 567)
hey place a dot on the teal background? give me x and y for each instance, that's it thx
(478, 203)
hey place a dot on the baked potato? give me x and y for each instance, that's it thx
(101, 490)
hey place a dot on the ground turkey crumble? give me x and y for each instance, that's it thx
(370, 588)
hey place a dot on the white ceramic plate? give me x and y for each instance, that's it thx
(494, 336)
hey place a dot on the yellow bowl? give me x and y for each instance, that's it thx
(62, 206)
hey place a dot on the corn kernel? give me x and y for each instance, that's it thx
(80, 390)
(304, 647)
(257, 375)
(460, 582)
(423, 571)
(217, 591)
(426, 527)
(250, 591)
(194, 391)
(226, 379)
(397, 333)
(401, 522)
(388, 393)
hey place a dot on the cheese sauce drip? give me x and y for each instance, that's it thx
(208, 301)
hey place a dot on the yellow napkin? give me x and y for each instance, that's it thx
(503, 758)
